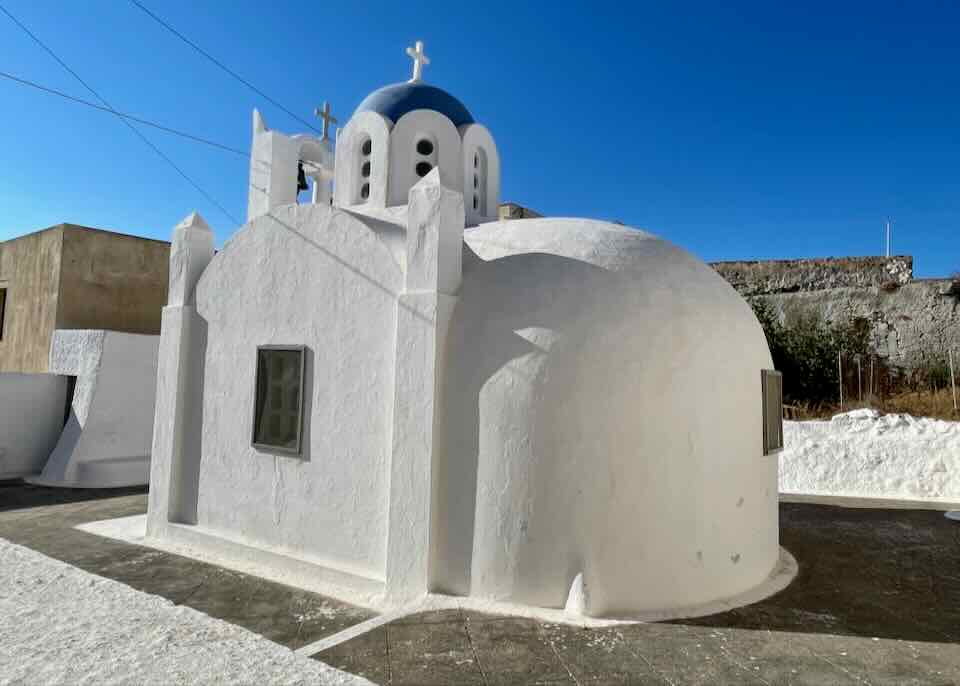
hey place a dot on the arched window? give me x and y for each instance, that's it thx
(420, 142)
(481, 174)
(364, 159)
(477, 182)
(425, 156)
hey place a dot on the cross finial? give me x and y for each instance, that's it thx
(327, 118)
(419, 59)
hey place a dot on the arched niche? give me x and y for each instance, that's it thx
(481, 174)
(318, 158)
(312, 149)
(363, 161)
(409, 157)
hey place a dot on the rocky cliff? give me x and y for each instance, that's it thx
(912, 320)
(790, 276)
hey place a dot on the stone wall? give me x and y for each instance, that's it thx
(912, 321)
(511, 210)
(790, 276)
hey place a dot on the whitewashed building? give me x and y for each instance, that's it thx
(388, 391)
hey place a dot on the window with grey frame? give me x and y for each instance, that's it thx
(278, 399)
(772, 390)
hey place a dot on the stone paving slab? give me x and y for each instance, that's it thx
(877, 601)
(512, 652)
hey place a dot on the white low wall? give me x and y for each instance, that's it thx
(867, 455)
(106, 442)
(31, 417)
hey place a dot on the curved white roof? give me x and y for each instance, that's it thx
(602, 402)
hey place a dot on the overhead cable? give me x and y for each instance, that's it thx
(222, 66)
(146, 122)
(106, 104)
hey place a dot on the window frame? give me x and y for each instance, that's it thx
(265, 447)
(765, 375)
(3, 308)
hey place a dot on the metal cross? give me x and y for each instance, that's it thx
(327, 118)
(419, 59)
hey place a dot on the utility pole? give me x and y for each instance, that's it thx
(953, 381)
(859, 385)
(889, 231)
(840, 375)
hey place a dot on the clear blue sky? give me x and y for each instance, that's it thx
(737, 131)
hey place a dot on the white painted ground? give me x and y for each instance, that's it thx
(866, 454)
(61, 625)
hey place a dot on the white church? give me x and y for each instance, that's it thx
(387, 391)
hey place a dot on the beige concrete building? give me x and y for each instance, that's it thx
(512, 210)
(75, 277)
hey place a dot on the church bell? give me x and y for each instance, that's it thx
(301, 178)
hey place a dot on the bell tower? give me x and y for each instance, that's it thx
(280, 165)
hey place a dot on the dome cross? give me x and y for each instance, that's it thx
(327, 119)
(419, 60)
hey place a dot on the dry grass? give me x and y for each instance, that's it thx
(923, 404)
(938, 404)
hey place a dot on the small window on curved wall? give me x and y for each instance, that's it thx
(3, 309)
(425, 156)
(479, 174)
(771, 383)
(366, 166)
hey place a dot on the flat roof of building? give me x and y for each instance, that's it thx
(67, 225)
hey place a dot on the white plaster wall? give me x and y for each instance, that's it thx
(602, 416)
(435, 223)
(261, 169)
(106, 441)
(403, 158)
(31, 417)
(78, 352)
(312, 276)
(178, 418)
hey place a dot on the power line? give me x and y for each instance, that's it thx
(106, 104)
(221, 65)
(146, 122)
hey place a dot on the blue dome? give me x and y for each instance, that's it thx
(396, 100)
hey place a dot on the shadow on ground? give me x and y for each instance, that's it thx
(863, 572)
(877, 601)
(17, 495)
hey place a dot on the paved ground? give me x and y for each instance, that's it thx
(877, 601)
(43, 519)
